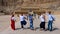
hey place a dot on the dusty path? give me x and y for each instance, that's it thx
(5, 27)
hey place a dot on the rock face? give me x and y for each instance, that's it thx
(9, 6)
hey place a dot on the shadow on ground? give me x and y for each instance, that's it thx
(37, 28)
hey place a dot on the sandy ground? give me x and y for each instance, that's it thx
(4, 22)
(5, 26)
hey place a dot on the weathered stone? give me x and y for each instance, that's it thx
(9, 6)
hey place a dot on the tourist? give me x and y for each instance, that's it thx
(22, 21)
(50, 21)
(42, 19)
(13, 22)
(31, 21)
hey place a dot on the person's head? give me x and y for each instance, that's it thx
(12, 15)
(40, 13)
(50, 12)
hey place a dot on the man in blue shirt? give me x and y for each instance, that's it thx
(31, 21)
(50, 21)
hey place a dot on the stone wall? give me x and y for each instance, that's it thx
(9, 6)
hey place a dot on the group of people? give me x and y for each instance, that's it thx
(42, 18)
(50, 18)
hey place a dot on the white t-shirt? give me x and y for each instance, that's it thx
(22, 18)
(41, 18)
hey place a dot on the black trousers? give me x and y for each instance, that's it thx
(42, 25)
(22, 24)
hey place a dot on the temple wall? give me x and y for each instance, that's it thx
(23, 6)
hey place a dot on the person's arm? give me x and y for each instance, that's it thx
(25, 18)
(14, 19)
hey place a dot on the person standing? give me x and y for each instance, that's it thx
(13, 22)
(50, 21)
(22, 20)
(42, 18)
(31, 21)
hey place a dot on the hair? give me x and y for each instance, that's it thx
(49, 12)
(12, 15)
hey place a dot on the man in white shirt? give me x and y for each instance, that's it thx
(22, 20)
(42, 19)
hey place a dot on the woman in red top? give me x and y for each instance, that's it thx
(13, 22)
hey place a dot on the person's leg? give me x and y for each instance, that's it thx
(41, 25)
(31, 24)
(44, 25)
(49, 25)
(22, 24)
(14, 26)
(11, 26)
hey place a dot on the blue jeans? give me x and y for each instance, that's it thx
(50, 25)
(31, 24)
